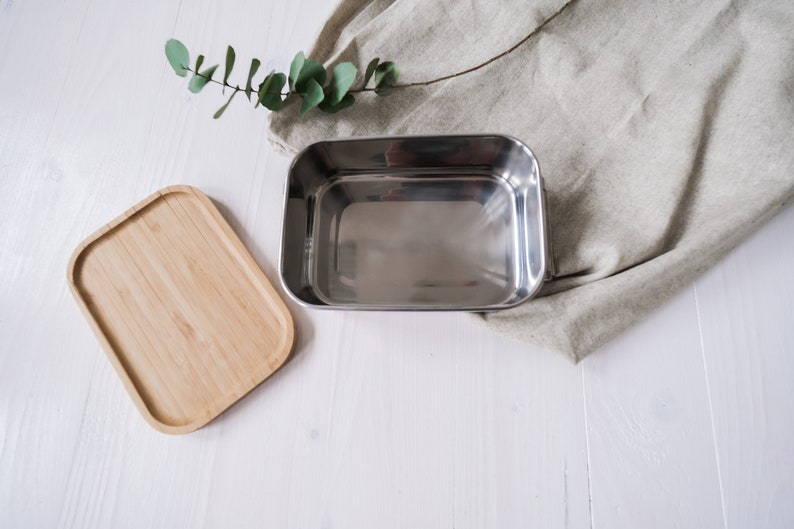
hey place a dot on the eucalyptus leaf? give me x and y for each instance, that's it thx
(177, 56)
(199, 62)
(312, 97)
(386, 76)
(311, 70)
(342, 80)
(221, 110)
(295, 69)
(370, 70)
(198, 81)
(230, 56)
(333, 109)
(251, 72)
(270, 91)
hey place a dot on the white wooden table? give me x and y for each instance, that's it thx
(380, 420)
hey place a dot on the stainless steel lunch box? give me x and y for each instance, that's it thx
(415, 223)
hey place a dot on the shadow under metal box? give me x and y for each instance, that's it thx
(415, 223)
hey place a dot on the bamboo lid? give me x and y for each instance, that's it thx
(186, 316)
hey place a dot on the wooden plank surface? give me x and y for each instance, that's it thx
(746, 309)
(652, 461)
(388, 420)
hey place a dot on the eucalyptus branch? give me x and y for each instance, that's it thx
(307, 78)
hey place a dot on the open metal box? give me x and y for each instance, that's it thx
(415, 223)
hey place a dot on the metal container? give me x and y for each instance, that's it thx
(415, 223)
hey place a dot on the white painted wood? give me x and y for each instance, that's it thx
(386, 420)
(747, 322)
(400, 422)
(649, 430)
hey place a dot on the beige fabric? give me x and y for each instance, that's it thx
(665, 131)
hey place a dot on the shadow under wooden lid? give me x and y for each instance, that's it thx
(186, 316)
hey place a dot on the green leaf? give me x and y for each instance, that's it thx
(344, 75)
(251, 72)
(311, 70)
(270, 91)
(370, 70)
(295, 69)
(333, 109)
(199, 62)
(313, 96)
(230, 55)
(386, 76)
(198, 81)
(177, 56)
(221, 110)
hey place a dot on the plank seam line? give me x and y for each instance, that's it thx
(587, 448)
(711, 407)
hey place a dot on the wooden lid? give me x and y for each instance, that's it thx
(187, 318)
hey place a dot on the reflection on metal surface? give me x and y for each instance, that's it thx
(414, 223)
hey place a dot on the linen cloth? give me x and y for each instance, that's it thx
(664, 131)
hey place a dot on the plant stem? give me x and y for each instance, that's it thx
(235, 88)
(483, 64)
